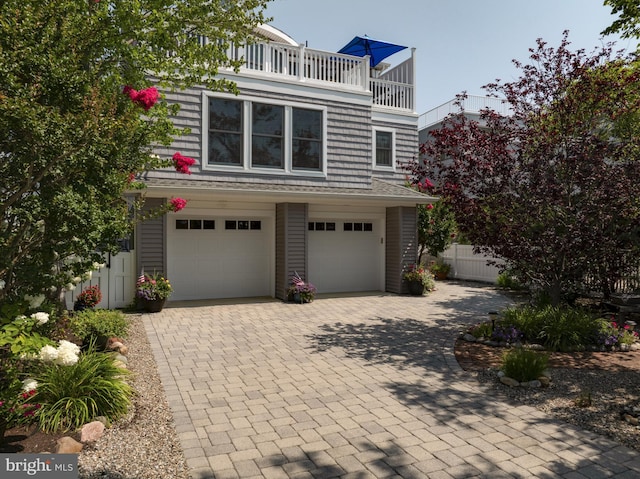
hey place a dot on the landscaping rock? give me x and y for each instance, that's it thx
(103, 420)
(120, 364)
(635, 347)
(114, 343)
(68, 445)
(121, 358)
(509, 381)
(544, 381)
(532, 384)
(625, 347)
(536, 347)
(91, 432)
(469, 337)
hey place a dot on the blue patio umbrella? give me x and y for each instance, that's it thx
(377, 50)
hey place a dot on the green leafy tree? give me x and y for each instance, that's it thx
(551, 187)
(78, 116)
(628, 18)
(436, 228)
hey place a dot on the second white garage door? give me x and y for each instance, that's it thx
(346, 255)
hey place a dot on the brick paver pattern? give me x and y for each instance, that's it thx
(357, 387)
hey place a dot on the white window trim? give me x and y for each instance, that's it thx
(375, 130)
(288, 129)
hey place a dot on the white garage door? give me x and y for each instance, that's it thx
(212, 258)
(345, 255)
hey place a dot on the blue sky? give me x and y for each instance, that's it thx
(460, 44)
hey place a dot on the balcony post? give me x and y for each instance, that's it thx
(366, 73)
(301, 54)
(414, 79)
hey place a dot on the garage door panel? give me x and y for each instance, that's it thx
(220, 263)
(345, 261)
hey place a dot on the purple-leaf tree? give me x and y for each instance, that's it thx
(552, 187)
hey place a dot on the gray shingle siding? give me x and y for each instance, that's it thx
(349, 142)
(401, 248)
(151, 241)
(291, 244)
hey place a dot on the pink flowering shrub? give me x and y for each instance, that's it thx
(145, 98)
(182, 163)
(178, 204)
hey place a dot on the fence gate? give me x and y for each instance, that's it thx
(116, 280)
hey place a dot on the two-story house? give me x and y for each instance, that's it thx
(299, 172)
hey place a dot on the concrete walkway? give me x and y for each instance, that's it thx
(355, 387)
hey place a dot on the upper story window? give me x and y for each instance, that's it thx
(267, 129)
(383, 148)
(269, 136)
(307, 138)
(225, 132)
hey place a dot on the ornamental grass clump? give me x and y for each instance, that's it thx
(524, 364)
(557, 328)
(75, 394)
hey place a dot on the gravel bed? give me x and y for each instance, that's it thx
(611, 393)
(144, 445)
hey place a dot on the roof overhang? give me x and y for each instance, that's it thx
(381, 193)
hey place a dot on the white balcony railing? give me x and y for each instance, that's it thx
(471, 104)
(393, 89)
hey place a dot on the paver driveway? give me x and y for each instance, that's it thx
(355, 387)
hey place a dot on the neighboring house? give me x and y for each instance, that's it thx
(472, 105)
(300, 172)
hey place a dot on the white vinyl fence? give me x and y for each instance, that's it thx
(465, 264)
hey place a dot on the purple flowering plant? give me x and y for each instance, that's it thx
(507, 334)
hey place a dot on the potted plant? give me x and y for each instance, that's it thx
(418, 279)
(440, 269)
(88, 299)
(153, 291)
(300, 291)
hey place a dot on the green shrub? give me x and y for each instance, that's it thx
(507, 280)
(90, 325)
(71, 396)
(558, 328)
(524, 364)
(482, 330)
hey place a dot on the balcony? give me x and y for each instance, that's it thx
(392, 88)
(472, 104)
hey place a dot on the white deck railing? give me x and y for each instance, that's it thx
(392, 89)
(471, 104)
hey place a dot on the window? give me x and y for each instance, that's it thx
(358, 226)
(242, 225)
(195, 224)
(267, 123)
(383, 150)
(321, 226)
(249, 134)
(307, 139)
(225, 132)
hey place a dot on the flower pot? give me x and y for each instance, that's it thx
(416, 288)
(441, 275)
(153, 305)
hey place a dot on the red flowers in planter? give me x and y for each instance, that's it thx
(145, 98)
